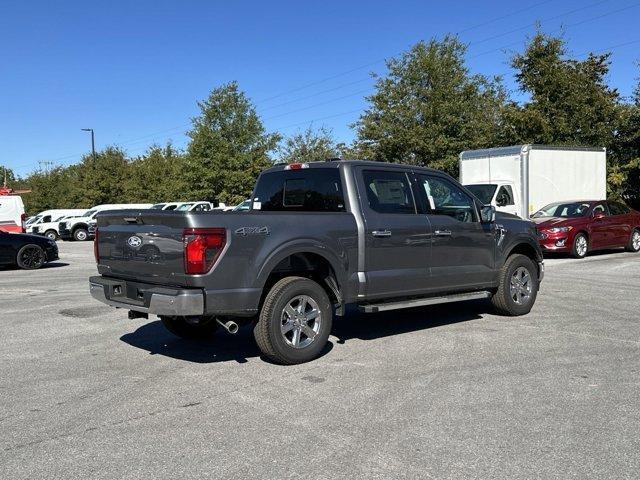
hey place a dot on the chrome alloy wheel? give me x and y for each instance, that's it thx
(635, 240)
(300, 321)
(521, 287)
(581, 246)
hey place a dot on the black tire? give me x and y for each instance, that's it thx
(634, 243)
(81, 234)
(503, 300)
(580, 249)
(51, 234)
(201, 328)
(31, 257)
(269, 333)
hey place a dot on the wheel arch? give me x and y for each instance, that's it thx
(304, 260)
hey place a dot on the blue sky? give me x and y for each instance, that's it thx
(134, 71)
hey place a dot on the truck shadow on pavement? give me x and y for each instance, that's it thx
(155, 339)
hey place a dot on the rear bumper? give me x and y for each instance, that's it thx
(147, 298)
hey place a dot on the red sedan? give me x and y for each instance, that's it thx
(580, 227)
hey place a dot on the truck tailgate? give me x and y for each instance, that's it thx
(144, 245)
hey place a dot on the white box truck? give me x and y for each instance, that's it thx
(521, 179)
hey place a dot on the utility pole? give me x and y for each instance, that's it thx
(47, 165)
(93, 143)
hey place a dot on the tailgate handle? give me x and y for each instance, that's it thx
(132, 220)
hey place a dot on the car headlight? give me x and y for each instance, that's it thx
(560, 229)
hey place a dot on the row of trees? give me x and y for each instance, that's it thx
(424, 111)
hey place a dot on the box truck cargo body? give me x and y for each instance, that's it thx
(521, 179)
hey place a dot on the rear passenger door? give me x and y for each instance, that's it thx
(620, 223)
(397, 242)
(463, 249)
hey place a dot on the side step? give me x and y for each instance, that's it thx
(421, 302)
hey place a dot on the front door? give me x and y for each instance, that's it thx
(397, 238)
(463, 249)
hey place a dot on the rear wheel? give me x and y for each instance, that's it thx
(634, 241)
(80, 234)
(518, 287)
(51, 234)
(295, 321)
(192, 328)
(31, 257)
(580, 246)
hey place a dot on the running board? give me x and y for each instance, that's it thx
(421, 302)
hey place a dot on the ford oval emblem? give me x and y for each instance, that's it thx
(134, 242)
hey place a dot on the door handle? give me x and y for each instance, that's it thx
(442, 233)
(381, 233)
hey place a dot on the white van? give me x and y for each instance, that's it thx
(51, 229)
(12, 216)
(49, 216)
(78, 228)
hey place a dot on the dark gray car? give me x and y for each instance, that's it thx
(318, 236)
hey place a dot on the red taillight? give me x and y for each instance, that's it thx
(202, 247)
(23, 219)
(96, 251)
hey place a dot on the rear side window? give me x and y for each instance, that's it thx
(307, 190)
(388, 192)
(617, 208)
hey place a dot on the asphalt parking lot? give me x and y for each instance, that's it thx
(444, 392)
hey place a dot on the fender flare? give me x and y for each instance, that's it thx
(302, 245)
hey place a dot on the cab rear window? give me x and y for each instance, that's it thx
(308, 190)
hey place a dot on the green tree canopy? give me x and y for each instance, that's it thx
(157, 176)
(569, 101)
(308, 146)
(429, 108)
(228, 148)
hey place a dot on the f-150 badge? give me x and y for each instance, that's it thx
(244, 231)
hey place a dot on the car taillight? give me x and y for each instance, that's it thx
(96, 251)
(202, 247)
(23, 219)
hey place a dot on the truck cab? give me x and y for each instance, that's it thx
(501, 194)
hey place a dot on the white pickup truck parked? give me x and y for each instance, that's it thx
(46, 222)
(78, 228)
(521, 179)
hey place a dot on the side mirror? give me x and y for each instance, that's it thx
(488, 214)
(598, 215)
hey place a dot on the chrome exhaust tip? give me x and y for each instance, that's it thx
(230, 326)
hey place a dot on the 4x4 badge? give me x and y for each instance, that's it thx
(252, 231)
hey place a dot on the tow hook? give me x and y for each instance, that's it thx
(230, 326)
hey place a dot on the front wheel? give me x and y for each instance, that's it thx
(31, 257)
(51, 235)
(517, 288)
(191, 328)
(634, 241)
(80, 234)
(580, 246)
(295, 321)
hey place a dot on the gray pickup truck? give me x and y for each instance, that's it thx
(318, 236)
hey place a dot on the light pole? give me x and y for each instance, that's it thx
(93, 143)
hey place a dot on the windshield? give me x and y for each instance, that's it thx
(158, 206)
(483, 192)
(184, 207)
(33, 219)
(89, 213)
(563, 210)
